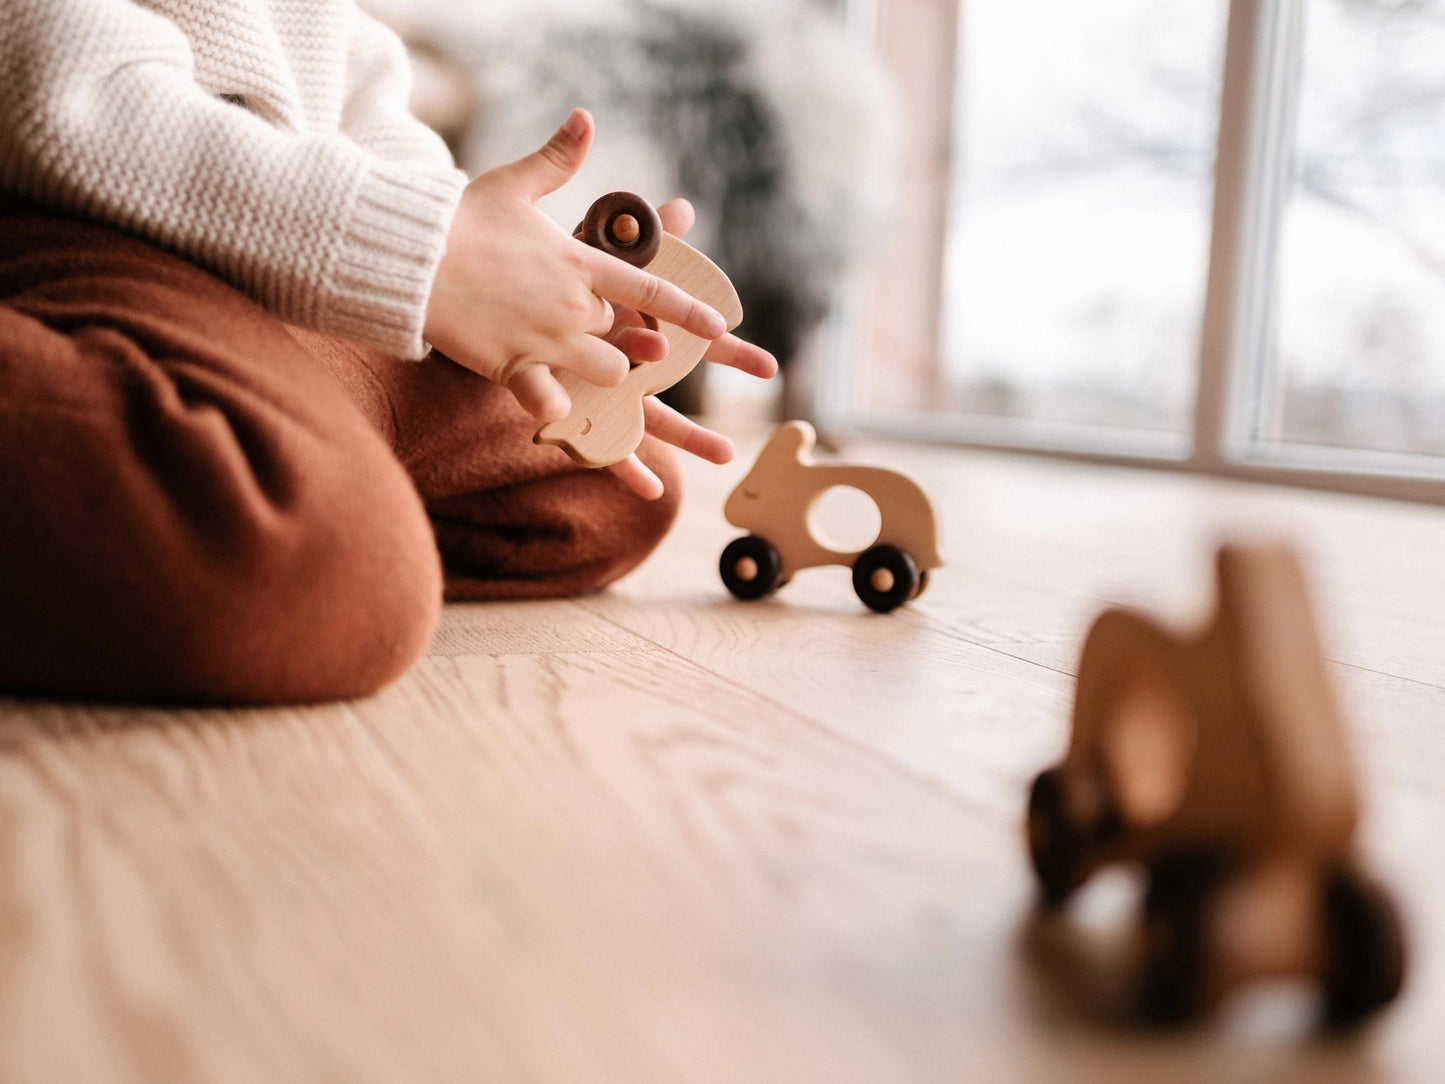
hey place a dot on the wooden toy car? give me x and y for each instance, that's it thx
(605, 425)
(1219, 762)
(775, 499)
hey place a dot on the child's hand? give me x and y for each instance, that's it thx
(630, 334)
(516, 297)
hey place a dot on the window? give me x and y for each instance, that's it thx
(1080, 195)
(1360, 350)
(1209, 233)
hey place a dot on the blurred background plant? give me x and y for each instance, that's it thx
(768, 116)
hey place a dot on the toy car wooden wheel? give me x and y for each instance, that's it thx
(751, 568)
(1364, 964)
(885, 578)
(623, 225)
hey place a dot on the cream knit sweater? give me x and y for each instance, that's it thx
(266, 140)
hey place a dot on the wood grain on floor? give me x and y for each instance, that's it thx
(654, 834)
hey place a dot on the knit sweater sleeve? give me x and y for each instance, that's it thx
(100, 115)
(376, 111)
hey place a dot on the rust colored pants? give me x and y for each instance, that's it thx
(199, 503)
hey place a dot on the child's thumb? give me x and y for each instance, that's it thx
(548, 169)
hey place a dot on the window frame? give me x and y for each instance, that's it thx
(1235, 400)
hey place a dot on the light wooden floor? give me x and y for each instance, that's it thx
(658, 835)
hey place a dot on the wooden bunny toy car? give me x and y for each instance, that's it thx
(1219, 762)
(774, 501)
(605, 425)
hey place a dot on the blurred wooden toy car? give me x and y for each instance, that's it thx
(1219, 762)
(774, 502)
(605, 425)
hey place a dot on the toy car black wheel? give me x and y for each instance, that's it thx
(1364, 949)
(1072, 823)
(885, 578)
(623, 225)
(1056, 844)
(751, 568)
(1177, 981)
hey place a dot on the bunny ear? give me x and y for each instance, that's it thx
(793, 440)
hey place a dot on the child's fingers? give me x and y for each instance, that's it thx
(632, 335)
(558, 161)
(596, 361)
(605, 318)
(669, 426)
(744, 356)
(639, 343)
(635, 476)
(677, 216)
(539, 393)
(626, 285)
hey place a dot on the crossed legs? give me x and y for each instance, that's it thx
(199, 503)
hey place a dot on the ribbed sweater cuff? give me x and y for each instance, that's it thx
(389, 256)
